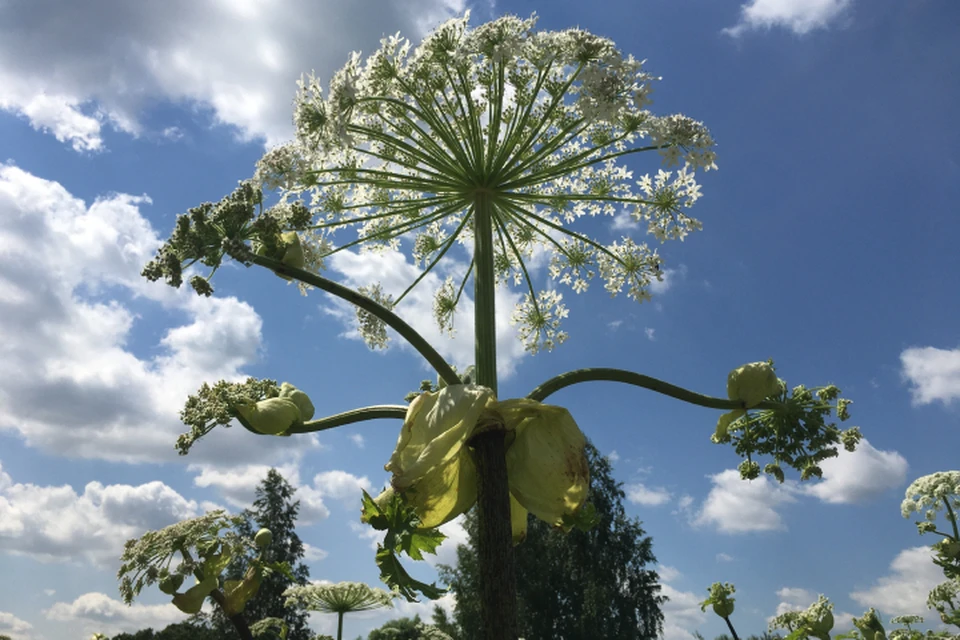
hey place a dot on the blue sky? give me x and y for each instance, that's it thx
(827, 245)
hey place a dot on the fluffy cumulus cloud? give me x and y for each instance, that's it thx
(793, 599)
(681, 612)
(800, 16)
(647, 496)
(14, 627)
(934, 374)
(741, 506)
(395, 273)
(238, 486)
(73, 68)
(858, 476)
(340, 485)
(904, 590)
(60, 524)
(69, 281)
(99, 613)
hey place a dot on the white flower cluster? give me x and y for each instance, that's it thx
(372, 329)
(539, 319)
(929, 494)
(533, 125)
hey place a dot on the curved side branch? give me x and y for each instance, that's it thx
(556, 383)
(349, 417)
(391, 319)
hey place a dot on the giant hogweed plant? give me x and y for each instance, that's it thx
(927, 495)
(493, 142)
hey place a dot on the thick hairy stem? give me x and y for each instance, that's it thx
(391, 319)
(498, 580)
(238, 620)
(340, 625)
(498, 585)
(577, 376)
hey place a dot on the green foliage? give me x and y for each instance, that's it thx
(401, 524)
(443, 623)
(207, 233)
(793, 427)
(177, 631)
(275, 509)
(407, 629)
(719, 597)
(577, 586)
(201, 543)
(216, 405)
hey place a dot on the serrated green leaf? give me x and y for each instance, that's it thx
(371, 513)
(396, 577)
(421, 541)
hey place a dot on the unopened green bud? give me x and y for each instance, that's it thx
(271, 416)
(263, 538)
(171, 583)
(752, 383)
(301, 399)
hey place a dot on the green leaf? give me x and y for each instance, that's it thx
(238, 592)
(371, 513)
(585, 519)
(421, 541)
(396, 577)
(191, 601)
(215, 564)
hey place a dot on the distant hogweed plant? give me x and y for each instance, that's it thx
(497, 139)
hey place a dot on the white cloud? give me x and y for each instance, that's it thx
(395, 273)
(11, 625)
(623, 221)
(859, 476)
(357, 439)
(641, 494)
(650, 334)
(72, 69)
(905, 590)
(668, 278)
(447, 551)
(58, 524)
(312, 553)
(667, 573)
(681, 613)
(934, 374)
(793, 599)
(613, 456)
(340, 485)
(238, 486)
(97, 612)
(740, 506)
(800, 16)
(724, 557)
(66, 272)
